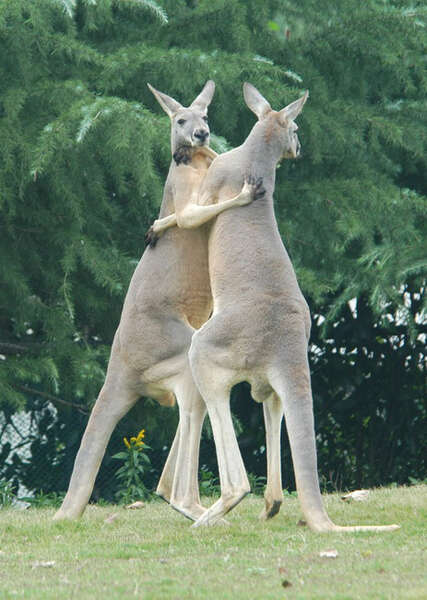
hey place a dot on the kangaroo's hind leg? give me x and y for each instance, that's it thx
(291, 380)
(192, 410)
(273, 495)
(164, 487)
(114, 401)
(215, 384)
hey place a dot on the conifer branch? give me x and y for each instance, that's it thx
(54, 399)
(19, 347)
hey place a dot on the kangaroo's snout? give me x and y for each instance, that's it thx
(201, 135)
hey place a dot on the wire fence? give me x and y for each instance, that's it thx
(38, 447)
(366, 443)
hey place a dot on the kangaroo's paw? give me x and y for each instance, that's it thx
(151, 238)
(256, 187)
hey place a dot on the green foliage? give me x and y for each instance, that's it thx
(369, 389)
(208, 483)
(135, 465)
(257, 483)
(84, 154)
(42, 500)
(7, 494)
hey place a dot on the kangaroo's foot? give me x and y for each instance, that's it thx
(221, 507)
(193, 512)
(270, 509)
(163, 495)
(68, 514)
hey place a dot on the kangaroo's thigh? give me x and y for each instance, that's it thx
(157, 347)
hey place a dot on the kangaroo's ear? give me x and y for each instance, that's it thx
(169, 105)
(255, 101)
(205, 97)
(290, 112)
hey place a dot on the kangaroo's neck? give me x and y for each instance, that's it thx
(262, 152)
(191, 158)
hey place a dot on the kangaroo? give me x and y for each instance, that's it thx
(169, 297)
(260, 325)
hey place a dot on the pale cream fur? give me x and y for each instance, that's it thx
(169, 297)
(260, 325)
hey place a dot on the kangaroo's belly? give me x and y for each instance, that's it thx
(169, 294)
(186, 286)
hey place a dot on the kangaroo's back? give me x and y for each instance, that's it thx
(245, 248)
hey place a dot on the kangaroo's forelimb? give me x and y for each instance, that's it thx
(194, 215)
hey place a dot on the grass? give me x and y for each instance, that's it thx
(152, 554)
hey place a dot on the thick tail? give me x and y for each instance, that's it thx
(364, 528)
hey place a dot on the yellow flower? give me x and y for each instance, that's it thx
(139, 443)
(141, 435)
(126, 442)
(133, 439)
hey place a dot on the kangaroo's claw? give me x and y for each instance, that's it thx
(258, 189)
(151, 238)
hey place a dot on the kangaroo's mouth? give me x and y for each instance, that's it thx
(199, 143)
(200, 137)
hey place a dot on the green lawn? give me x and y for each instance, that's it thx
(152, 553)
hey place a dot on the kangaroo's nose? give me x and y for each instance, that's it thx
(201, 134)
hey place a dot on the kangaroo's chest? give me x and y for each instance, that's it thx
(192, 295)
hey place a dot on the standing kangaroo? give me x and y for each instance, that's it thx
(260, 325)
(168, 298)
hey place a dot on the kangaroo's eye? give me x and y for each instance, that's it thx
(181, 121)
(205, 119)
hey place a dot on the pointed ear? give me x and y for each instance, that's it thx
(205, 97)
(290, 112)
(255, 101)
(169, 105)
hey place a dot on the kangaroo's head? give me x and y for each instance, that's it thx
(280, 128)
(189, 125)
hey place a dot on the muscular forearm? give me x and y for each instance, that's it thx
(194, 215)
(191, 217)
